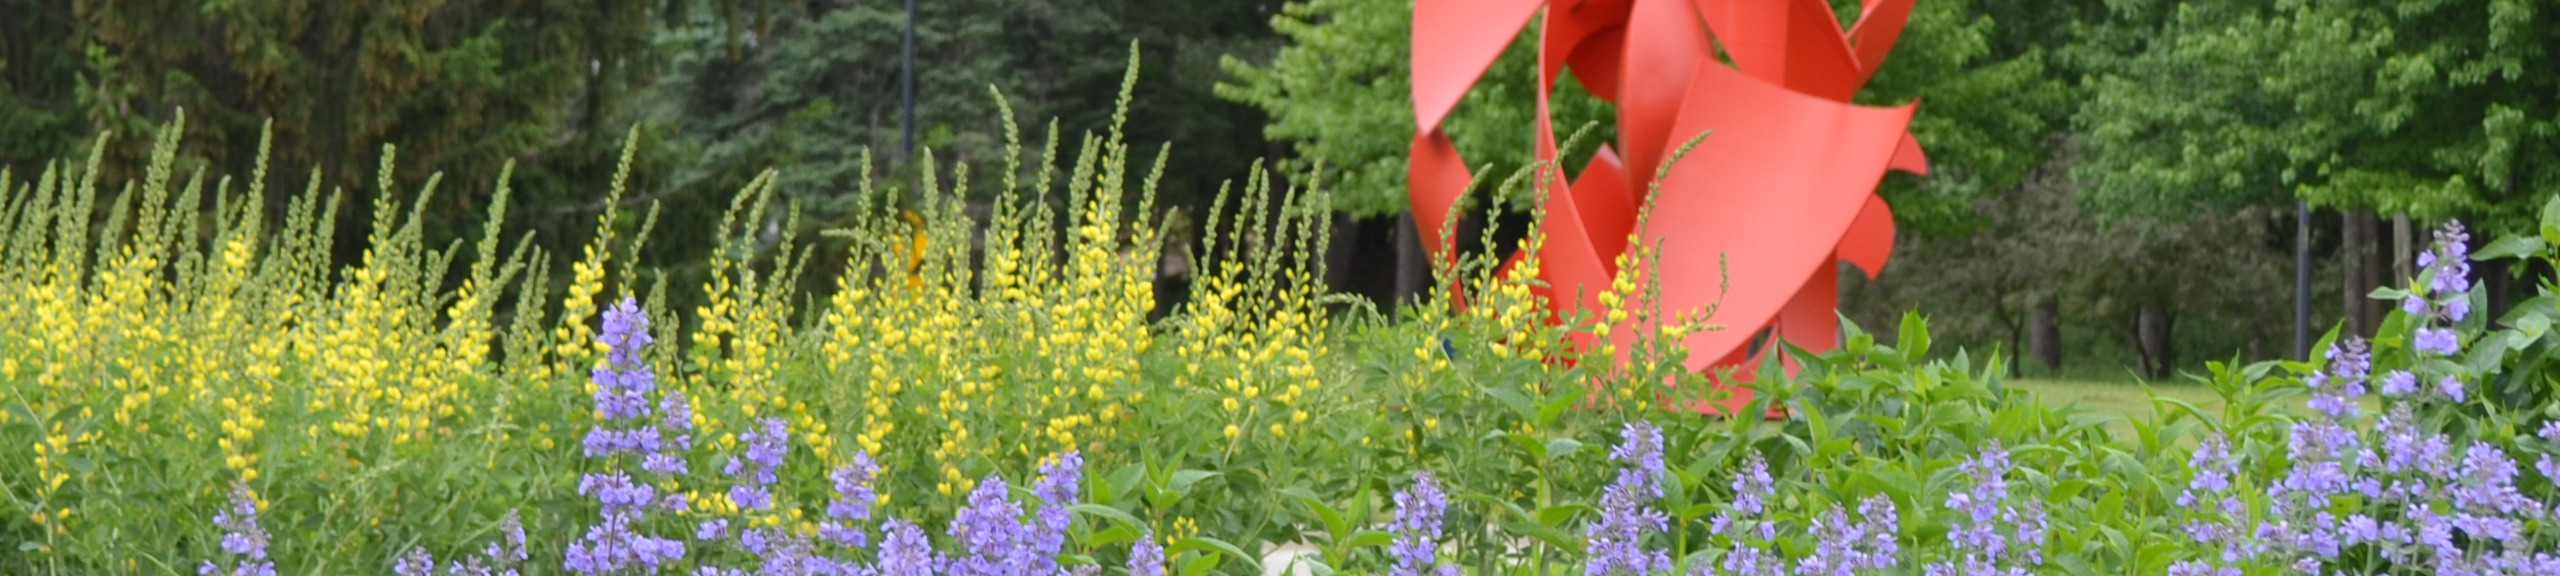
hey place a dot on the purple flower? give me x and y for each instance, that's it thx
(2399, 383)
(991, 531)
(494, 560)
(1740, 522)
(242, 540)
(2214, 469)
(905, 552)
(2335, 388)
(1981, 513)
(1843, 547)
(1416, 527)
(755, 472)
(852, 504)
(2437, 341)
(1058, 488)
(415, 563)
(2453, 267)
(624, 333)
(1146, 558)
(612, 545)
(1616, 541)
(2450, 387)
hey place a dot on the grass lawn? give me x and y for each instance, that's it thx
(2125, 399)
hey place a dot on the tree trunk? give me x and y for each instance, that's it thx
(2152, 328)
(1413, 269)
(1342, 244)
(2495, 282)
(2352, 234)
(2377, 265)
(2045, 334)
(2402, 268)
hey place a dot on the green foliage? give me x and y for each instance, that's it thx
(2420, 108)
(1991, 104)
(1340, 92)
(817, 83)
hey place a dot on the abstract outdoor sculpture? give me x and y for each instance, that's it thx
(1783, 187)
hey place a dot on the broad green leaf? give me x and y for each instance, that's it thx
(1114, 514)
(1117, 534)
(1561, 447)
(1557, 515)
(1199, 565)
(1251, 563)
(1568, 542)
(1183, 480)
(1334, 525)
(2518, 246)
(1567, 397)
(1517, 402)
(1915, 335)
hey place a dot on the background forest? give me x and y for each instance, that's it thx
(2117, 187)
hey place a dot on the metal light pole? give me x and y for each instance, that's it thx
(907, 124)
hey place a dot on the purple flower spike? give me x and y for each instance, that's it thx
(242, 540)
(1059, 487)
(1146, 558)
(2335, 389)
(905, 552)
(852, 504)
(1626, 516)
(2453, 268)
(1417, 529)
(623, 384)
(1982, 512)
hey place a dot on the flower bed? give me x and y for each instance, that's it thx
(194, 390)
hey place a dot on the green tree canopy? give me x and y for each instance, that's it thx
(2423, 108)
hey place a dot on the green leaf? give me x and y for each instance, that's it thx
(1915, 335)
(1116, 535)
(1334, 525)
(1513, 399)
(1183, 480)
(1251, 563)
(2531, 327)
(1551, 535)
(1569, 397)
(1560, 447)
(1199, 565)
(1557, 515)
(1528, 444)
(1115, 514)
(2551, 220)
(2518, 246)
(1369, 539)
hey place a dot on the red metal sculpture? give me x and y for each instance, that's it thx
(1783, 187)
